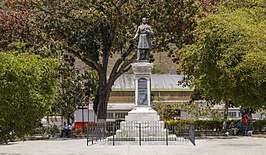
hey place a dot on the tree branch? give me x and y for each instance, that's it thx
(90, 63)
(125, 67)
(119, 66)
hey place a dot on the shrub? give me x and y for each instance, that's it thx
(52, 130)
(259, 125)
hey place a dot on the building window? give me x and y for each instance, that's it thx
(232, 114)
(120, 115)
(239, 114)
(110, 115)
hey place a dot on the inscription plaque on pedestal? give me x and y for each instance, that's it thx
(142, 91)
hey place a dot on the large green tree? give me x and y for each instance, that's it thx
(228, 60)
(93, 30)
(27, 87)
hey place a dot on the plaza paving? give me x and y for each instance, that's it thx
(210, 146)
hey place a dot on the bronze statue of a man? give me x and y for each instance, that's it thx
(144, 32)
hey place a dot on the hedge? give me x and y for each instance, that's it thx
(215, 124)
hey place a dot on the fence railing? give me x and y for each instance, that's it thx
(140, 133)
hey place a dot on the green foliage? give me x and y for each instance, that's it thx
(172, 110)
(228, 60)
(213, 126)
(167, 111)
(201, 125)
(49, 130)
(76, 88)
(27, 88)
(52, 129)
(259, 125)
(170, 122)
(157, 70)
(235, 4)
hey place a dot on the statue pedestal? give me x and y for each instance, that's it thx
(140, 114)
(142, 72)
(143, 121)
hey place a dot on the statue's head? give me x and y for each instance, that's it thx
(144, 20)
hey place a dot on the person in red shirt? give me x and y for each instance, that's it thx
(232, 124)
(233, 128)
(244, 125)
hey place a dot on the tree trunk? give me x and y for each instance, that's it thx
(103, 101)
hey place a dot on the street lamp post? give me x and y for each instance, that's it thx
(82, 113)
(88, 111)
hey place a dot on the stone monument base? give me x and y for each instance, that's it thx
(143, 122)
(142, 114)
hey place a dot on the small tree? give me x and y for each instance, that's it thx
(76, 88)
(28, 85)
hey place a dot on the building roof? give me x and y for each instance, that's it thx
(159, 82)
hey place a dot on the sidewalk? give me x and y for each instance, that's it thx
(232, 146)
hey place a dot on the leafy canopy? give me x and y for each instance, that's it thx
(228, 60)
(27, 87)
